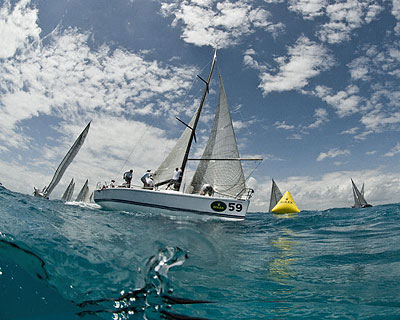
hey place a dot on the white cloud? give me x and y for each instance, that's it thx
(18, 27)
(332, 153)
(359, 69)
(67, 79)
(377, 120)
(383, 61)
(238, 124)
(350, 131)
(321, 116)
(295, 136)
(306, 59)
(251, 62)
(219, 24)
(308, 8)
(396, 14)
(346, 102)
(395, 150)
(345, 16)
(283, 125)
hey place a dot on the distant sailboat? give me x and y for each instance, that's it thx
(69, 191)
(276, 195)
(45, 193)
(359, 200)
(83, 195)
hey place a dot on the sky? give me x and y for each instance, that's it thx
(313, 87)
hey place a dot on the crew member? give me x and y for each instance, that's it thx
(128, 178)
(175, 181)
(149, 182)
(145, 176)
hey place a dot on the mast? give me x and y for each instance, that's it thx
(203, 98)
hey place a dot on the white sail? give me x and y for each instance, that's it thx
(362, 190)
(225, 176)
(357, 203)
(175, 157)
(83, 195)
(66, 161)
(276, 195)
(69, 191)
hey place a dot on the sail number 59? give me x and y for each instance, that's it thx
(235, 207)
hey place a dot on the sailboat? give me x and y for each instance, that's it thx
(73, 151)
(67, 196)
(83, 195)
(359, 200)
(276, 195)
(219, 168)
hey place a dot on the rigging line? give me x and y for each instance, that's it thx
(253, 170)
(192, 84)
(134, 147)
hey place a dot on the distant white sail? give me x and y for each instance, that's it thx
(225, 176)
(83, 195)
(362, 190)
(276, 195)
(69, 191)
(66, 161)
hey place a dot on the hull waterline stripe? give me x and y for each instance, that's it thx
(169, 208)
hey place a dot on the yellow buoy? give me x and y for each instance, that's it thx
(286, 205)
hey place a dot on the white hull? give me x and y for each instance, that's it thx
(170, 202)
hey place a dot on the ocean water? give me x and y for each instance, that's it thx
(75, 261)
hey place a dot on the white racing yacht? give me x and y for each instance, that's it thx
(219, 167)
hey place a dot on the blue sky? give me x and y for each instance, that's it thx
(313, 86)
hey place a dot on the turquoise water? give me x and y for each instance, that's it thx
(66, 261)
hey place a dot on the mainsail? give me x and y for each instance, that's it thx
(225, 176)
(276, 195)
(69, 191)
(83, 195)
(359, 200)
(66, 161)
